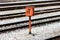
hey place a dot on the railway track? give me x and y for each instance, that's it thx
(12, 15)
(24, 24)
(23, 13)
(13, 8)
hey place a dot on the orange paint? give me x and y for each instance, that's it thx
(29, 11)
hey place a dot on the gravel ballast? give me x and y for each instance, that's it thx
(41, 33)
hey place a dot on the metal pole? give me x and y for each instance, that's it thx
(30, 25)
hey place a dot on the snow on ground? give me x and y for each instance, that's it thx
(41, 33)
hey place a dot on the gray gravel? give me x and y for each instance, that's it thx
(41, 33)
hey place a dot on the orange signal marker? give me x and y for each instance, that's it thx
(29, 11)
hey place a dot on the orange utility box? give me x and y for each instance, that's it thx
(29, 10)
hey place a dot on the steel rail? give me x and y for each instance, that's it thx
(23, 15)
(23, 6)
(25, 23)
(23, 3)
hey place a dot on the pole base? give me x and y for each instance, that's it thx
(30, 33)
